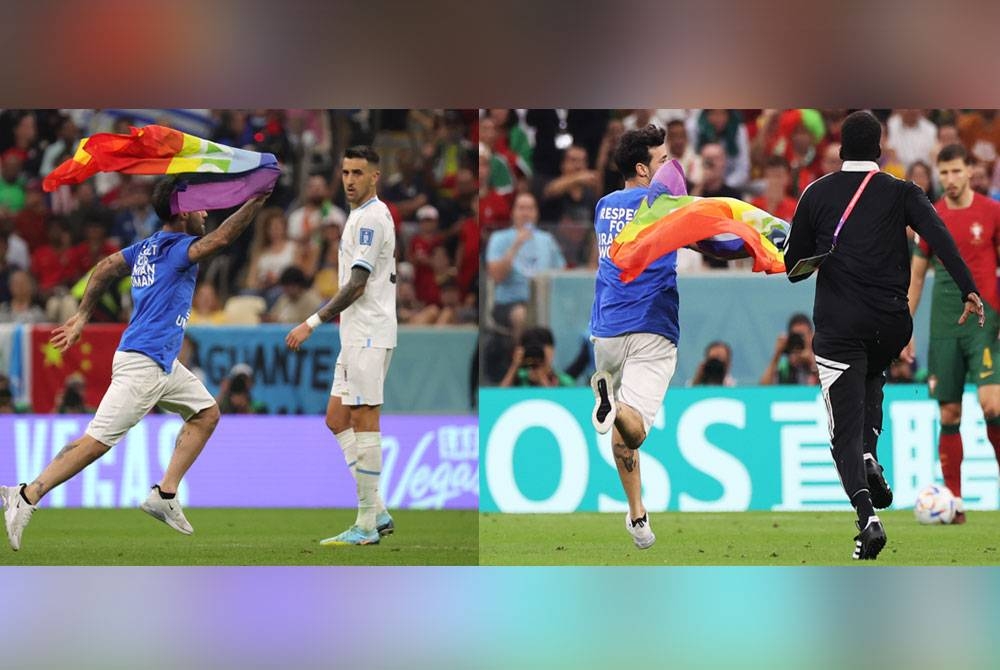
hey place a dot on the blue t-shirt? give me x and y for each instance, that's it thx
(539, 253)
(163, 280)
(649, 303)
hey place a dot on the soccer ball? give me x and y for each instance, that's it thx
(935, 504)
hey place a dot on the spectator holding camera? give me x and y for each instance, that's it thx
(714, 368)
(532, 362)
(793, 361)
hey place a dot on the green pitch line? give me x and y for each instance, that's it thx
(736, 538)
(239, 537)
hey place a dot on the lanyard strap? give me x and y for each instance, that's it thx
(850, 206)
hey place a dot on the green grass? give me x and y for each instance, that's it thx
(240, 537)
(736, 538)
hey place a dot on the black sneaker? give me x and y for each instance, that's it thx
(870, 541)
(603, 416)
(877, 485)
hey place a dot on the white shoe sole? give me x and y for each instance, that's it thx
(160, 516)
(605, 426)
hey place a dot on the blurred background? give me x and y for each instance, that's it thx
(744, 336)
(249, 296)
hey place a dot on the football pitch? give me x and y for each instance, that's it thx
(240, 537)
(732, 538)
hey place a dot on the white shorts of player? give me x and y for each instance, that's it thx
(641, 365)
(138, 384)
(359, 375)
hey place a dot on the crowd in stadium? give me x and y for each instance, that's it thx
(543, 171)
(287, 266)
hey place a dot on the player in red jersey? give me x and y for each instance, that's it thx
(960, 355)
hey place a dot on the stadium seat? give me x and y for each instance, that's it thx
(244, 309)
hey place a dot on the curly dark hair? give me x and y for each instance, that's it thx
(634, 148)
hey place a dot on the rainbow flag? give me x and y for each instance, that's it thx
(210, 175)
(669, 220)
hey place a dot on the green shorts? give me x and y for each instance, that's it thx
(972, 358)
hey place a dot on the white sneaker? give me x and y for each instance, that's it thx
(16, 514)
(167, 511)
(640, 531)
(603, 416)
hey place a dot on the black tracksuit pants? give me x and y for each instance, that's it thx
(852, 374)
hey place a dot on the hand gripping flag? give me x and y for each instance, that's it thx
(668, 220)
(210, 175)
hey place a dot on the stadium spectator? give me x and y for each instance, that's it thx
(573, 194)
(802, 157)
(532, 361)
(467, 255)
(52, 263)
(680, 148)
(22, 307)
(829, 160)
(888, 160)
(422, 247)
(494, 207)
(793, 361)
(979, 179)
(611, 179)
(11, 183)
(297, 301)
(919, 173)
(713, 185)
(775, 199)
(271, 253)
(316, 210)
(713, 370)
(511, 140)
(912, 136)
(136, 219)
(513, 257)
(408, 189)
(724, 127)
(325, 278)
(206, 308)
(17, 249)
(67, 137)
(94, 247)
(979, 130)
(410, 310)
(454, 310)
(30, 222)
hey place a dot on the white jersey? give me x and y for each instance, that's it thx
(369, 241)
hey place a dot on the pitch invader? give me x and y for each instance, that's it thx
(366, 303)
(146, 372)
(957, 355)
(634, 327)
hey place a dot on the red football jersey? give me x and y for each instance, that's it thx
(976, 230)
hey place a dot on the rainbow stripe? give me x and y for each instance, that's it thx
(225, 174)
(723, 227)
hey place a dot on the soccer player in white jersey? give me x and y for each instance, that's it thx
(366, 302)
(146, 372)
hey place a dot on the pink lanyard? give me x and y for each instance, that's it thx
(850, 207)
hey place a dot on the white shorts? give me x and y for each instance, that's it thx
(359, 375)
(138, 384)
(641, 365)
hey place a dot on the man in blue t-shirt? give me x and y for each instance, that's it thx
(146, 372)
(633, 326)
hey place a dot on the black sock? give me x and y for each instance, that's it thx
(863, 504)
(24, 497)
(165, 496)
(642, 518)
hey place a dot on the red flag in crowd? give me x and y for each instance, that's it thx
(91, 357)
